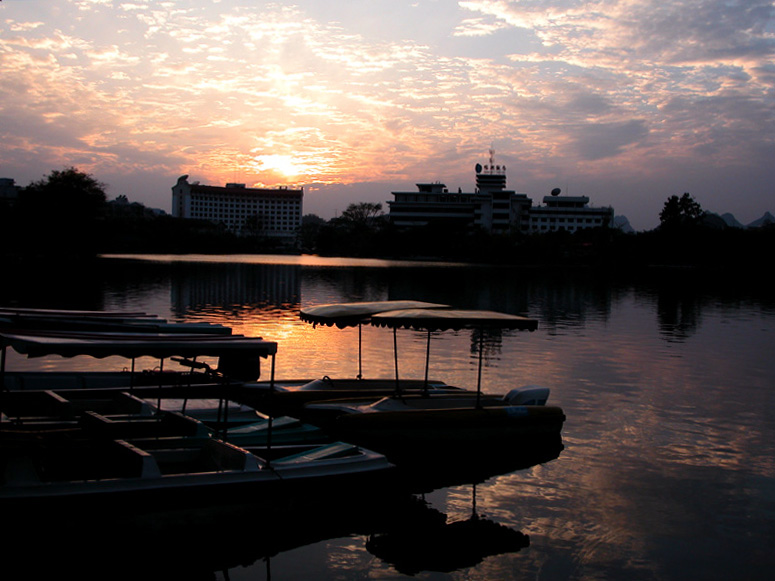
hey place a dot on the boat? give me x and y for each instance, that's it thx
(167, 472)
(288, 396)
(55, 400)
(111, 412)
(238, 357)
(14, 319)
(445, 420)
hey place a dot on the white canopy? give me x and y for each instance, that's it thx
(352, 314)
(444, 319)
(133, 345)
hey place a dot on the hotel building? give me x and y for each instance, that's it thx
(274, 213)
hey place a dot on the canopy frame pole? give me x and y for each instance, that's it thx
(161, 384)
(2, 365)
(360, 343)
(479, 377)
(270, 415)
(395, 359)
(427, 363)
(3, 388)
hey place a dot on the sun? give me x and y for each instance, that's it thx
(284, 165)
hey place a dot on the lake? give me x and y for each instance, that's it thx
(667, 380)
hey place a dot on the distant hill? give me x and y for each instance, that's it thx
(710, 219)
(766, 220)
(730, 221)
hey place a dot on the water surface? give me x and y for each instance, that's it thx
(668, 466)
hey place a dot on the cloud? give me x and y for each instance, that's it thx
(604, 140)
(344, 94)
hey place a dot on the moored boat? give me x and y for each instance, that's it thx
(438, 420)
(238, 357)
(166, 470)
(288, 396)
(14, 319)
(201, 411)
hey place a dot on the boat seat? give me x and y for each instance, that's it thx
(42, 403)
(137, 426)
(335, 450)
(133, 404)
(106, 459)
(217, 455)
(527, 395)
(147, 463)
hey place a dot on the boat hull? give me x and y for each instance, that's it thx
(289, 397)
(124, 477)
(437, 425)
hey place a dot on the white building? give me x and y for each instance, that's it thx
(274, 213)
(569, 213)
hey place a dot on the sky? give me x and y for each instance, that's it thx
(627, 102)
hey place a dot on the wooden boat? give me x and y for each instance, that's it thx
(239, 357)
(162, 470)
(288, 396)
(438, 420)
(161, 411)
(141, 443)
(15, 320)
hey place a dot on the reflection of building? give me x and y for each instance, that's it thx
(274, 213)
(235, 288)
(494, 208)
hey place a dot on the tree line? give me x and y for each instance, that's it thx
(67, 215)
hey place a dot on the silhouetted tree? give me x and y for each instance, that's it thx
(311, 225)
(61, 212)
(364, 213)
(254, 226)
(683, 211)
(356, 232)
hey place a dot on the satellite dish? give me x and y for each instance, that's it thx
(556, 191)
(478, 168)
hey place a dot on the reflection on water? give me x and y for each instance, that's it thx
(668, 466)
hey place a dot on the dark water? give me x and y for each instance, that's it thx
(668, 384)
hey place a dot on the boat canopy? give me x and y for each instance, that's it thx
(356, 314)
(451, 319)
(26, 320)
(353, 314)
(134, 345)
(69, 314)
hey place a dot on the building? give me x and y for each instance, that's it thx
(569, 213)
(494, 208)
(274, 213)
(491, 207)
(9, 191)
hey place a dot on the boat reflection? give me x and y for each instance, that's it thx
(440, 546)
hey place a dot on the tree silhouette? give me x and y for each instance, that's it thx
(678, 212)
(363, 213)
(61, 213)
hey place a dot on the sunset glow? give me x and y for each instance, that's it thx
(626, 101)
